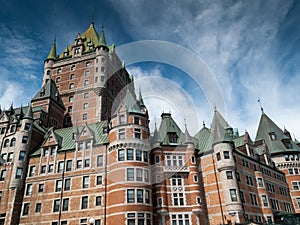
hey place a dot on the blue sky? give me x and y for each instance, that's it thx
(250, 47)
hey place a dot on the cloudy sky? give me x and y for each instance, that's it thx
(246, 49)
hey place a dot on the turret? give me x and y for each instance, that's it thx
(129, 161)
(101, 64)
(48, 63)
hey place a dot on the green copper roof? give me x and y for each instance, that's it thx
(205, 140)
(168, 125)
(90, 40)
(52, 53)
(49, 90)
(66, 140)
(102, 40)
(267, 128)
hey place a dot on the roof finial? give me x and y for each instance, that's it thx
(203, 123)
(261, 108)
(215, 108)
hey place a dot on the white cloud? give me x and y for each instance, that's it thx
(237, 40)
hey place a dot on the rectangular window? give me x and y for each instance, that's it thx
(298, 201)
(10, 157)
(130, 195)
(43, 169)
(56, 205)
(79, 164)
(67, 185)
(121, 133)
(140, 195)
(3, 175)
(24, 139)
(137, 133)
(31, 171)
(122, 119)
(58, 186)
(38, 207)
(51, 168)
(130, 174)
(69, 165)
(65, 204)
(233, 195)
(145, 156)
(242, 197)
(19, 173)
(99, 180)
(229, 174)
(84, 116)
(29, 189)
(98, 201)
(180, 219)
(264, 200)
(41, 188)
(139, 174)
(129, 154)
(138, 155)
(85, 181)
(178, 199)
(99, 160)
(84, 202)
(60, 167)
(80, 146)
(136, 120)
(260, 182)
(146, 174)
(87, 163)
(147, 196)
(226, 155)
(27, 126)
(121, 155)
(26, 209)
(22, 155)
(88, 145)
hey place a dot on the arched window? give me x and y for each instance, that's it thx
(6, 143)
(48, 72)
(13, 142)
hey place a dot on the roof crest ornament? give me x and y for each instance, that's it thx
(261, 108)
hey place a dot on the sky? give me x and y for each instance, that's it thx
(205, 54)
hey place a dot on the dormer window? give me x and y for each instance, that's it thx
(65, 53)
(172, 137)
(287, 144)
(272, 136)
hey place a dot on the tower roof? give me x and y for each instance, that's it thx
(29, 114)
(49, 90)
(52, 53)
(102, 41)
(218, 126)
(90, 40)
(273, 136)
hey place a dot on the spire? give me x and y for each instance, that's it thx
(102, 37)
(29, 114)
(261, 108)
(140, 99)
(187, 137)
(52, 53)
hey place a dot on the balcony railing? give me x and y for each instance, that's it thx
(171, 169)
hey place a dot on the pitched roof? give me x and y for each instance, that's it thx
(49, 90)
(168, 125)
(66, 139)
(267, 127)
(205, 140)
(90, 39)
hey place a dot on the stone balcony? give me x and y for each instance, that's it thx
(176, 169)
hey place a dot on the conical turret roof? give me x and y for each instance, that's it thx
(52, 53)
